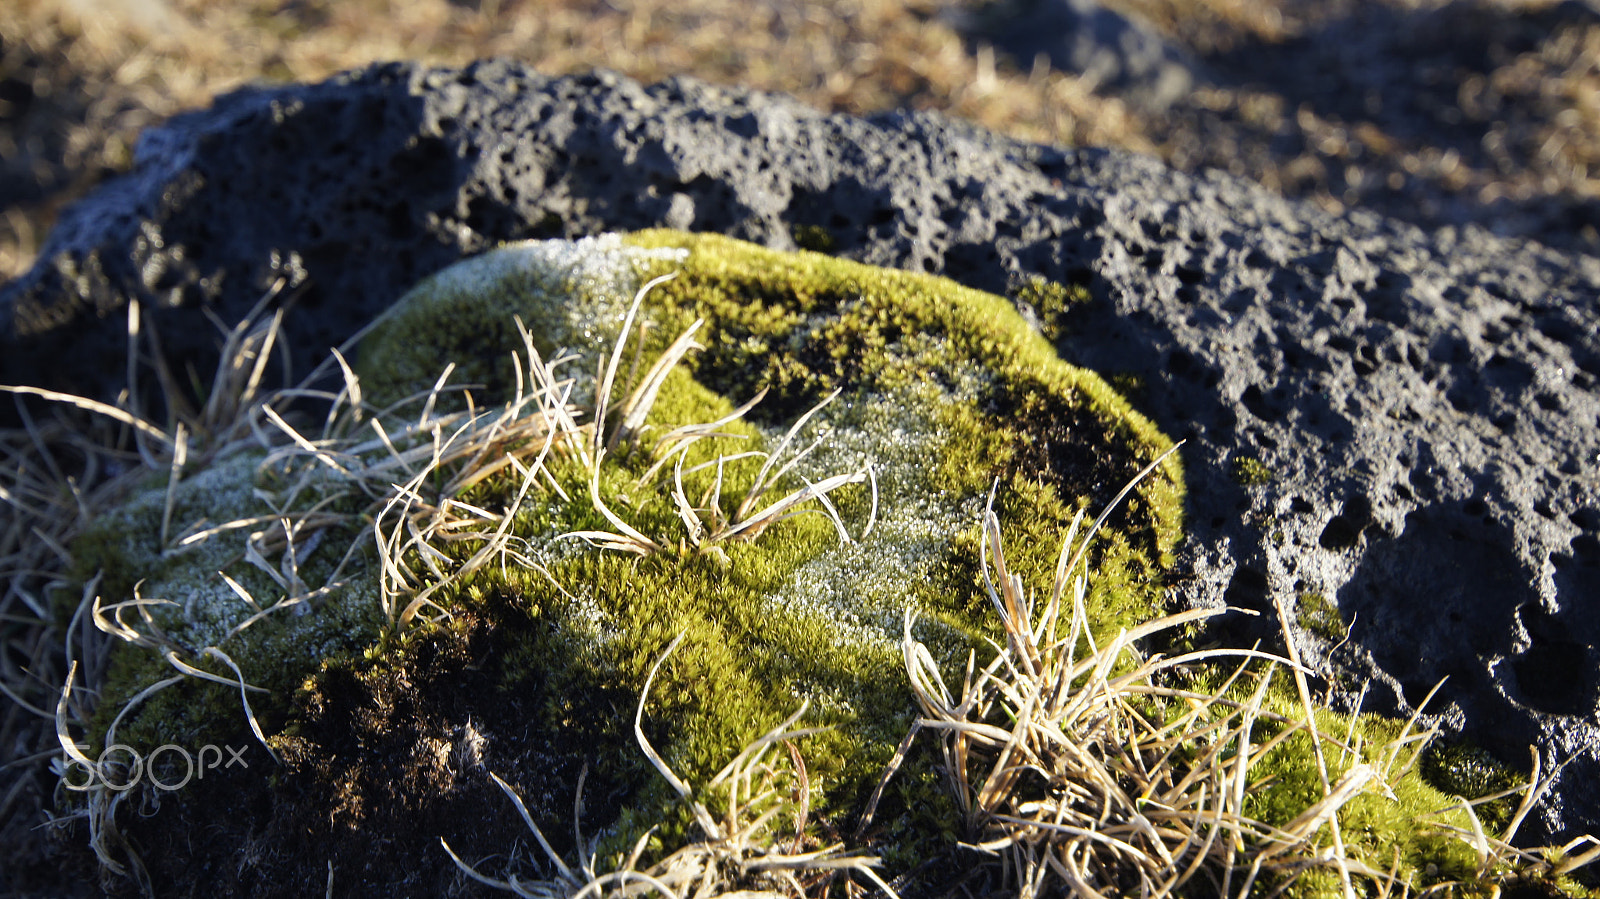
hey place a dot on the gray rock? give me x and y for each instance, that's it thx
(1424, 406)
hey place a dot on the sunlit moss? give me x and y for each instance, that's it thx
(1053, 303)
(1320, 616)
(1251, 472)
(944, 391)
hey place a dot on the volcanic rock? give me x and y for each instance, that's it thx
(1404, 426)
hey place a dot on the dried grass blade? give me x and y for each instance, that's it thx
(759, 486)
(637, 408)
(759, 522)
(127, 418)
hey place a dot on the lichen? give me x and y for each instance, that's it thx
(464, 315)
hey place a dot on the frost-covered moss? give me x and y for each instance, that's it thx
(464, 315)
(943, 392)
(202, 586)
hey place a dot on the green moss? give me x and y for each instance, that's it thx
(1461, 768)
(1053, 302)
(466, 316)
(1320, 616)
(944, 391)
(815, 238)
(192, 607)
(1251, 472)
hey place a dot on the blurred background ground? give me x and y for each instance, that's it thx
(1444, 114)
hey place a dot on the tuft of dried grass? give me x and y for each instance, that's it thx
(398, 473)
(706, 523)
(59, 473)
(737, 853)
(1080, 772)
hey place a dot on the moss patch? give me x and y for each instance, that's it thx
(1053, 303)
(1251, 472)
(1320, 616)
(531, 666)
(943, 391)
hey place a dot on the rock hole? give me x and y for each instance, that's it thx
(1557, 329)
(1248, 588)
(1344, 530)
(1556, 678)
(1257, 404)
(1365, 361)
(1586, 549)
(1181, 364)
(1342, 343)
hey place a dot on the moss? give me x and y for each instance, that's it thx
(940, 384)
(1053, 303)
(1249, 471)
(815, 238)
(193, 607)
(466, 316)
(1461, 768)
(943, 390)
(1320, 616)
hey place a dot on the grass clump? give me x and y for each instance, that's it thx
(1089, 767)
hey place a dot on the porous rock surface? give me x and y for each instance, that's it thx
(1423, 407)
